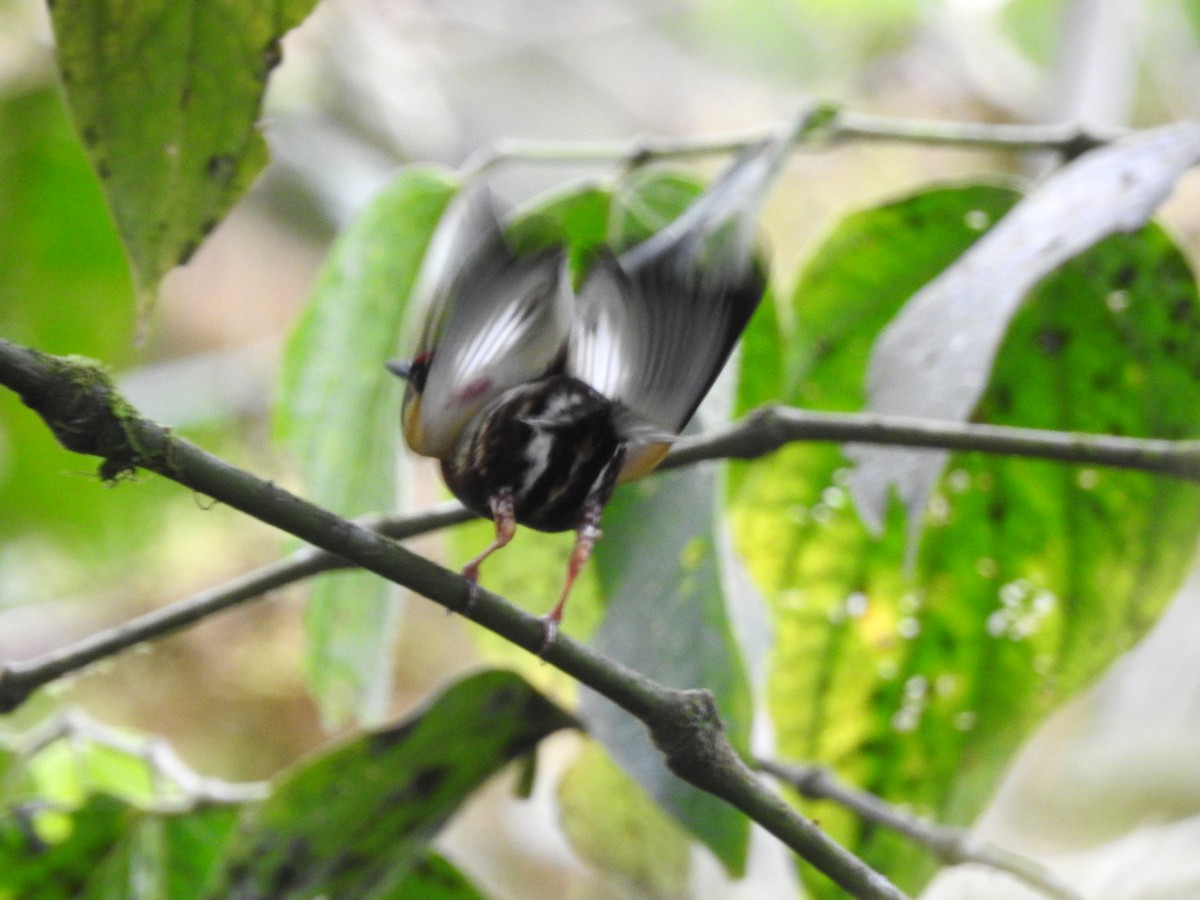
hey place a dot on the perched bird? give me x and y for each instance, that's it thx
(539, 400)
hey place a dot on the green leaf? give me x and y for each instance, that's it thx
(617, 828)
(1191, 10)
(647, 201)
(667, 619)
(108, 848)
(169, 856)
(433, 877)
(1035, 28)
(933, 358)
(355, 820)
(576, 216)
(340, 416)
(1033, 577)
(166, 95)
(66, 290)
(662, 581)
(60, 865)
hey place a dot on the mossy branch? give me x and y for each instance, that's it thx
(80, 405)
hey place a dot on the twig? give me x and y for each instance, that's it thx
(1065, 138)
(770, 427)
(952, 846)
(189, 790)
(22, 678)
(763, 431)
(836, 126)
(79, 404)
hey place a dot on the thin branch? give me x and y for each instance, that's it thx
(22, 678)
(180, 787)
(763, 431)
(836, 126)
(952, 846)
(770, 427)
(79, 404)
(1065, 138)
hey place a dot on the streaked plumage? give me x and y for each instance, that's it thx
(537, 400)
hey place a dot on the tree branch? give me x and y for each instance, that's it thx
(836, 126)
(770, 427)
(19, 679)
(85, 413)
(79, 404)
(952, 846)
(761, 432)
(189, 789)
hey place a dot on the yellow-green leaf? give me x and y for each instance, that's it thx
(166, 95)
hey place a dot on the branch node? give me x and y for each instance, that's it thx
(76, 398)
(1080, 143)
(687, 728)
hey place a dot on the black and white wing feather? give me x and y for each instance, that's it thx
(655, 325)
(495, 320)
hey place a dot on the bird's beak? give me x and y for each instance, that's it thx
(401, 368)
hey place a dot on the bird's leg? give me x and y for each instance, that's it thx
(506, 525)
(585, 539)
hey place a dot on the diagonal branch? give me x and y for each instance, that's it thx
(79, 404)
(88, 416)
(952, 846)
(761, 432)
(18, 680)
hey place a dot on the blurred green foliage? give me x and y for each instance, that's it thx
(95, 813)
(916, 682)
(1032, 577)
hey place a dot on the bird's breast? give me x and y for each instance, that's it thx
(552, 442)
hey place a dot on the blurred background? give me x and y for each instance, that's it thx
(367, 85)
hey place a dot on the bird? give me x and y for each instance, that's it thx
(539, 399)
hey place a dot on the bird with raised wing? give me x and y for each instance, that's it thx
(539, 399)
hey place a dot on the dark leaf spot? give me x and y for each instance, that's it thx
(102, 170)
(91, 135)
(1182, 310)
(383, 741)
(1002, 398)
(500, 702)
(1051, 341)
(290, 872)
(347, 863)
(996, 510)
(1125, 276)
(220, 167)
(426, 781)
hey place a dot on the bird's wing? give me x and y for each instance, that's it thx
(655, 325)
(495, 320)
(655, 339)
